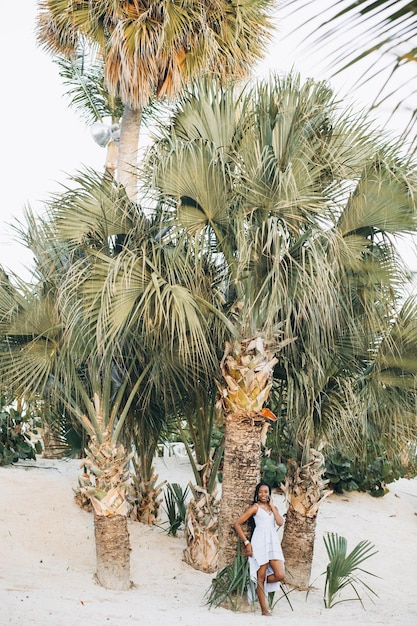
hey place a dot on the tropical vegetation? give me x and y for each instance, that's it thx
(149, 49)
(59, 342)
(259, 268)
(56, 346)
(299, 205)
(266, 235)
(343, 570)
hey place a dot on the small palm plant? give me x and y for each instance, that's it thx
(230, 587)
(342, 568)
(175, 507)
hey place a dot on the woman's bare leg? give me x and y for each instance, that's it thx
(260, 589)
(279, 572)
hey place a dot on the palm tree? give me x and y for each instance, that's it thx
(381, 41)
(40, 360)
(212, 161)
(345, 379)
(150, 48)
(55, 345)
(259, 177)
(197, 418)
(184, 351)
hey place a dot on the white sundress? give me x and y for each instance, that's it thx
(266, 546)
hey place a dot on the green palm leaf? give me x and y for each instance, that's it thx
(381, 43)
(342, 567)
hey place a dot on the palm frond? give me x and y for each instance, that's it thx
(83, 77)
(378, 37)
(340, 572)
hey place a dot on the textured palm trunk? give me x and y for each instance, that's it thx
(201, 531)
(304, 490)
(241, 473)
(247, 368)
(128, 151)
(298, 547)
(144, 497)
(112, 551)
(105, 488)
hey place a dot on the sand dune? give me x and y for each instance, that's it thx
(48, 558)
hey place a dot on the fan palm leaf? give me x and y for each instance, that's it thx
(306, 249)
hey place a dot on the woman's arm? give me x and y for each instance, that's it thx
(244, 518)
(278, 518)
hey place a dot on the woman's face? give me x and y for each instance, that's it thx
(263, 493)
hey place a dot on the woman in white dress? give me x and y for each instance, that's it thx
(266, 560)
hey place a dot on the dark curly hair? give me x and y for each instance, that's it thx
(251, 521)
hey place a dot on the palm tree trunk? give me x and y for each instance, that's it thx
(201, 531)
(128, 150)
(144, 495)
(105, 487)
(111, 159)
(298, 547)
(304, 490)
(241, 473)
(112, 551)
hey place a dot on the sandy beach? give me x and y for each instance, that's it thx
(47, 560)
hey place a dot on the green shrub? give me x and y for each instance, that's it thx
(346, 473)
(15, 441)
(273, 472)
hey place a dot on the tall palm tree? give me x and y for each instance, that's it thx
(212, 161)
(321, 381)
(183, 391)
(259, 177)
(366, 399)
(149, 48)
(42, 358)
(380, 41)
(55, 343)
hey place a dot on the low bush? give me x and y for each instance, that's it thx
(372, 474)
(15, 437)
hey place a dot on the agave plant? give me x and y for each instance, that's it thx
(175, 507)
(342, 569)
(233, 587)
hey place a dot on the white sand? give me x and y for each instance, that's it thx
(47, 560)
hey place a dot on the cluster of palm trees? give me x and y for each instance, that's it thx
(249, 259)
(299, 204)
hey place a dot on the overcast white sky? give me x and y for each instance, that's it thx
(43, 141)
